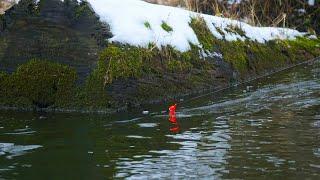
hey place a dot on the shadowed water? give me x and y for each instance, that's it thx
(267, 129)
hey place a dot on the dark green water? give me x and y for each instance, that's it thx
(271, 131)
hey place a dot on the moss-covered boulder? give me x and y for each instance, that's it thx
(40, 84)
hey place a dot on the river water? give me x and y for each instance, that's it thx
(267, 129)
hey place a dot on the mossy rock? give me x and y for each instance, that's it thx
(41, 83)
(134, 70)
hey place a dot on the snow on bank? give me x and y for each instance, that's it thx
(128, 19)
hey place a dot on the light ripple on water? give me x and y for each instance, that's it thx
(138, 137)
(316, 152)
(316, 124)
(263, 98)
(129, 120)
(21, 133)
(148, 125)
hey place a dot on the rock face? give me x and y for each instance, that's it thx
(64, 32)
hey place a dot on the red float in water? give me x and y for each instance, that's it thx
(172, 114)
(175, 128)
(173, 119)
(173, 108)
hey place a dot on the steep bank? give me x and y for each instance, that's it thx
(154, 53)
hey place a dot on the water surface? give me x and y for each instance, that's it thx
(270, 128)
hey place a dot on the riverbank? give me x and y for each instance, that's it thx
(147, 58)
(182, 98)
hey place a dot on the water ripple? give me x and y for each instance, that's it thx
(11, 150)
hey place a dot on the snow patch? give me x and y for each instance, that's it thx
(128, 19)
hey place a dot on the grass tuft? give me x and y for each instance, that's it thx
(166, 27)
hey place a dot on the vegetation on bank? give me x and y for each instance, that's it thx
(252, 57)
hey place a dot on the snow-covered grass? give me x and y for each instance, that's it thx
(138, 23)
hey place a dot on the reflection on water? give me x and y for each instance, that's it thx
(268, 129)
(175, 128)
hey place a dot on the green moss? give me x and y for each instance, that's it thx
(121, 62)
(116, 62)
(166, 27)
(203, 33)
(178, 66)
(235, 30)
(147, 25)
(41, 84)
(311, 46)
(234, 52)
(93, 94)
(220, 31)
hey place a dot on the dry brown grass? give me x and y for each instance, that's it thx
(283, 13)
